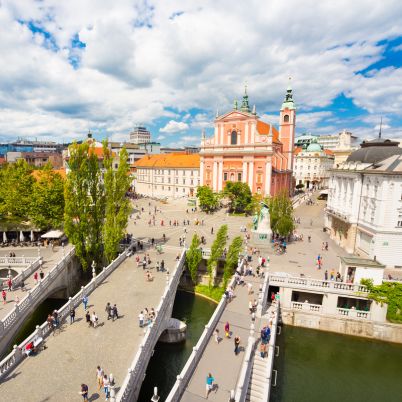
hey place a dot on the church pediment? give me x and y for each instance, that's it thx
(236, 115)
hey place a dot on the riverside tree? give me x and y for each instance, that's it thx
(84, 204)
(194, 257)
(232, 257)
(117, 205)
(216, 251)
(47, 202)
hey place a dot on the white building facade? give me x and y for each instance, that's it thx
(168, 175)
(311, 166)
(140, 135)
(364, 209)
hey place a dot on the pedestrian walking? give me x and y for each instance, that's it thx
(216, 335)
(88, 318)
(99, 376)
(209, 384)
(326, 275)
(10, 284)
(332, 274)
(237, 344)
(108, 310)
(212, 231)
(157, 266)
(106, 386)
(4, 296)
(162, 265)
(115, 314)
(227, 329)
(141, 319)
(263, 349)
(72, 315)
(41, 274)
(94, 319)
(85, 301)
(250, 288)
(36, 277)
(309, 239)
(84, 391)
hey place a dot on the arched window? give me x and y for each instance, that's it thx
(233, 138)
(286, 118)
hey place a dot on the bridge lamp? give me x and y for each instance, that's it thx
(155, 397)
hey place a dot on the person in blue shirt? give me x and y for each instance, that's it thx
(209, 385)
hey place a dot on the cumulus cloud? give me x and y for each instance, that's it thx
(113, 64)
(174, 127)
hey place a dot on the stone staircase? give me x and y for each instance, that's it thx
(258, 382)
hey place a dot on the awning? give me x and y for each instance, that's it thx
(53, 234)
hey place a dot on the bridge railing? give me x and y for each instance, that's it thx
(42, 331)
(16, 261)
(317, 284)
(134, 379)
(26, 273)
(184, 377)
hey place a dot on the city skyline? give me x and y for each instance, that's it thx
(68, 68)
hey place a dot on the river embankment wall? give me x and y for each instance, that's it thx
(386, 332)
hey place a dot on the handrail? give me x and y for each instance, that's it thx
(17, 355)
(139, 364)
(16, 281)
(318, 284)
(184, 377)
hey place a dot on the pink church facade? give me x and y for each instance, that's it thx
(249, 150)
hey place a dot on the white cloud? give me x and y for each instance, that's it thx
(397, 48)
(174, 127)
(139, 64)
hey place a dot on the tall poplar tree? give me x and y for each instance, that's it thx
(117, 206)
(216, 251)
(84, 204)
(232, 258)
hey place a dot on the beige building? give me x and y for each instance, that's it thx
(175, 175)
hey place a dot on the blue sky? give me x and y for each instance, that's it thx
(68, 67)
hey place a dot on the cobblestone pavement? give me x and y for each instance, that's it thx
(50, 259)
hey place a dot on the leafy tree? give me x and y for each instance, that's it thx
(117, 205)
(16, 184)
(47, 200)
(387, 292)
(231, 259)
(207, 199)
(281, 214)
(239, 195)
(84, 204)
(194, 257)
(216, 251)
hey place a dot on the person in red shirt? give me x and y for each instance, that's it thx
(4, 296)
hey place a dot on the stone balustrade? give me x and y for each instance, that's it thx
(317, 308)
(132, 383)
(318, 285)
(26, 273)
(352, 313)
(184, 377)
(16, 261)
(17, 355)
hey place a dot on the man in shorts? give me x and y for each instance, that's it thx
(209, 385)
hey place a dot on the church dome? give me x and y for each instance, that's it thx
(314, 147)
(373, 154)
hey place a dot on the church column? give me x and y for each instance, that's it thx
(252, 137)
(220, 175)
(221, 135)
(268, 173)
(201, 172)
(215, 176)
(244, 176)
(246, 134)
(251, 175)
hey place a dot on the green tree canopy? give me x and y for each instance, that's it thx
(84, 204)
(16, 184)
(117, 205)
(207, 199)
(232, 257)
(194, 257)
(216, 251)
(47, 200)
(281, 214)
(239, 195)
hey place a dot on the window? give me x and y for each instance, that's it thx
(399, 224)
(225, 176)
(233, 138)
(286, 118)
(177, 180)
(184, 190)
(232, 177)
(192, 181)
(238, 176)
(184, 181)
(169, 188)
(177, 189)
